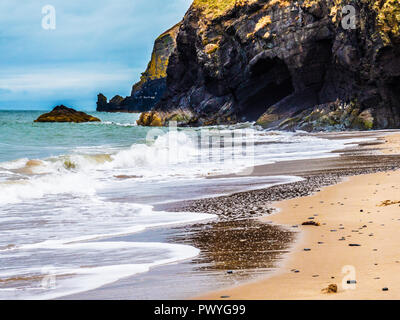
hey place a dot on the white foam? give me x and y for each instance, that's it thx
(62, 207)
(89, 278)
(39, 186)
(172, 156)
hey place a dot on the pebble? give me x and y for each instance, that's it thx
(385, 289)
(354, 245)
(351, 281)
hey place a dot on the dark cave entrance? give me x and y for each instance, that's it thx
(395, 88)
(269, 82)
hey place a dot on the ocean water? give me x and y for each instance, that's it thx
(65, 189)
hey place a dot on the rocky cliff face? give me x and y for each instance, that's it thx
(286, 64)
(148, 91)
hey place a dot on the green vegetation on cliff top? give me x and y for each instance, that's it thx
(388, 11)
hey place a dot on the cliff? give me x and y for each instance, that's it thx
(285, 64)
(148, 91)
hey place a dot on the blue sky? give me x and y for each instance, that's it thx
(97, 46)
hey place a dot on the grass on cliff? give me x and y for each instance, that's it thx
(215, 8)
(387, 19)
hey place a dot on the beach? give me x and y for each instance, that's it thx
(255, 249)
(138, 220)
(354, 245)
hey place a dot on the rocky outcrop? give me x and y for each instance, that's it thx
(65, 114)
(288, 64)
(330, 116)
(149, 90)
(160, 118)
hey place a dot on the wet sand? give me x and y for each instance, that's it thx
(243, 245)
(355, 246)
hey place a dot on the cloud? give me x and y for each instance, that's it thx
(54, 79)
(97, 45)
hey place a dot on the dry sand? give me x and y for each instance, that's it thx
(351, 211)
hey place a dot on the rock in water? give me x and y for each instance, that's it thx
(65, 114)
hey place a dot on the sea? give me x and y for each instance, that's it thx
(66, 188)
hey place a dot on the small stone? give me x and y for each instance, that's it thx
(354, 245)
(310, 223)
(229, 272)
(351, 281)
(306, 249)
(332, 288)
(385, 289)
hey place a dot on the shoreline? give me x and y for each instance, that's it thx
(256, 258)
(352, 247)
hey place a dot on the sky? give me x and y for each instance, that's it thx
(96, 46)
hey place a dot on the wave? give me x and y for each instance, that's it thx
(72, 280)
(85, 262)
(173, 155)
(15, 191)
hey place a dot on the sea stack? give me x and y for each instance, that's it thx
(149, 90)
(65, 114)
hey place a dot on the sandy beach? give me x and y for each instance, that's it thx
(355, 246)
(255, 249)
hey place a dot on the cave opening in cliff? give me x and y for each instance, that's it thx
(270, 82)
